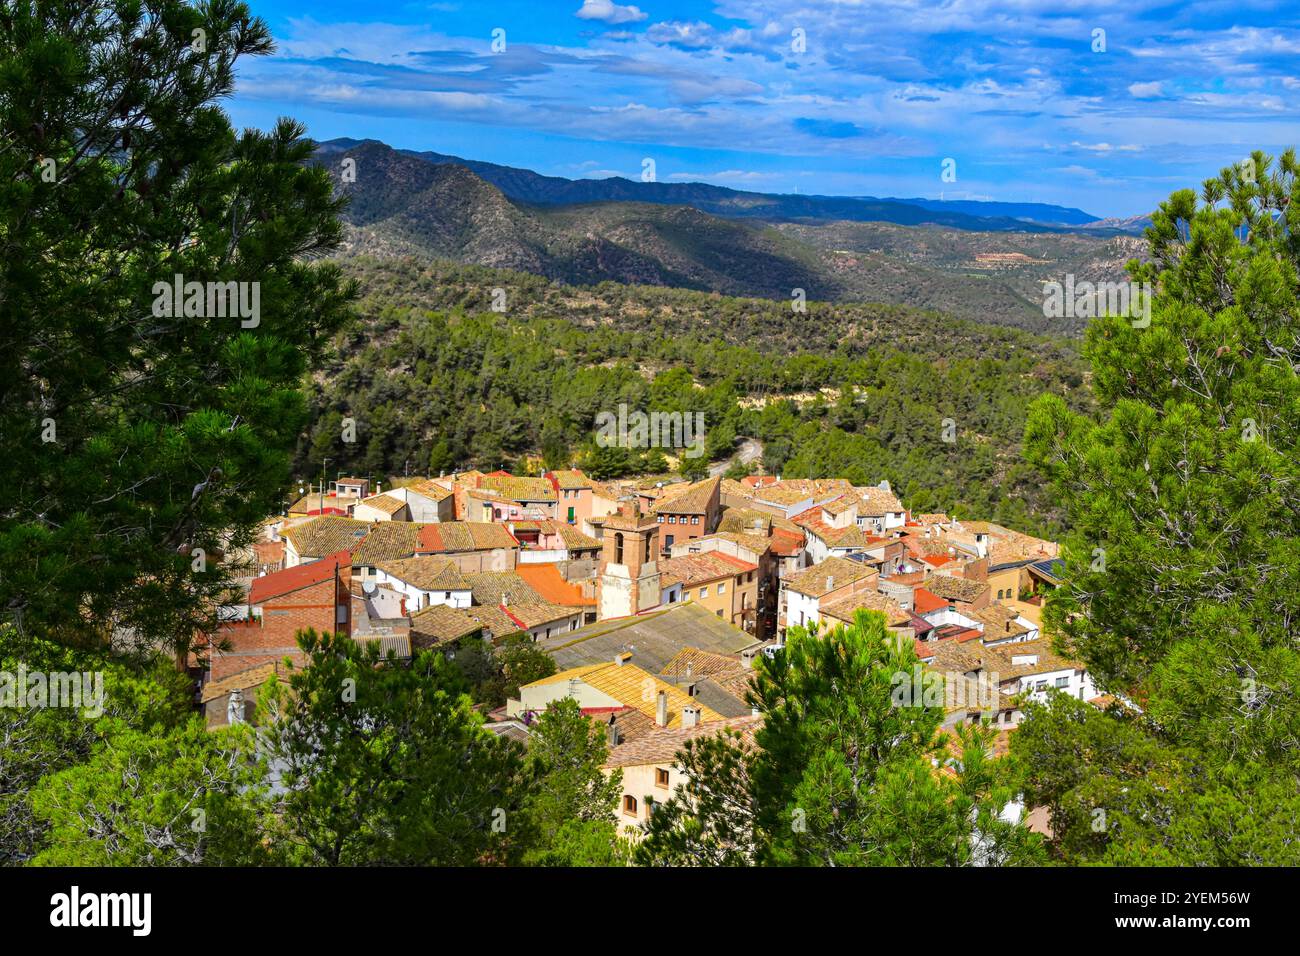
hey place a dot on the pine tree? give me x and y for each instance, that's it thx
(1182, 571)
(142, 441)
(842, 771)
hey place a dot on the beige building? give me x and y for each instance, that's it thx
(724, 584)
(649, 764)
(628, 580)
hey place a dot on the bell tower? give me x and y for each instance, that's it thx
(628, 582)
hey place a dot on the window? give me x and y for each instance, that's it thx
(722, 587)
(704, 592)
(718, 612)
(668, 542)
(659, 518)
(661, 777)
(446, 595)
(672, 519)
(571, 515)
(618, 548)
(1062, 682)
(648, 556)
(695, 519)
(629, 804)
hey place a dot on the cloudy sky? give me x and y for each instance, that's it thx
(1106, 105)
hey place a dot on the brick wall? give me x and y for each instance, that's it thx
(272, 637)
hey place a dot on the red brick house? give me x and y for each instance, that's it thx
(316, 595)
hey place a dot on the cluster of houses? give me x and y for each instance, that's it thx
(653, 597)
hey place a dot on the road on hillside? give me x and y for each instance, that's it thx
(751, 450)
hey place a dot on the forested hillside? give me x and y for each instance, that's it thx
(436, 381)
(402, 204)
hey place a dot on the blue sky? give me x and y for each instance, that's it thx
(879, 95)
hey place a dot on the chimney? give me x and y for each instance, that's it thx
(661, 708)
(690, 715)
(623, 658)
(830, 582)
(611, 732)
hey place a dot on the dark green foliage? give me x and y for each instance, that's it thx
(843, 775)
(493, 674)
(572, 801)
(433, 374)
(1182, 582)
(386, 763)
(133, 441)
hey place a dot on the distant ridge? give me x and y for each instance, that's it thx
(713, 239)
(526, 186)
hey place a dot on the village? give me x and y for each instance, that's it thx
(652, 597)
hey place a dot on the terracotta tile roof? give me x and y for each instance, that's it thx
(955, 589)
(952, 657)
(528, 614)
(427, 574)
(848, 537)
(931, 517)
(495, 619)
(839, 505)
(736, 489)
(451, 537)
(440, 624)
(1000, 622)
(629, 722)
(269, 552)
(327, 535)
(660, 745)
(742, 521)
(786, 543)
(694, 499)
(693, 569)
(751, 541)
(1003, 659)
(923, 602)
(877, 501)
(571, 479)
(490, 587)
(632, 687)
(546, 579)
(387, 541)
(574, 539)
(383, 503)
(300, 576)
(831, 574)
(312, 503)
(845, 609)
(429, 488)
(245, 679)
(782, 495)
(701, 664)
(518, 489)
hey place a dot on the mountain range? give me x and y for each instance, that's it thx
(988, 267)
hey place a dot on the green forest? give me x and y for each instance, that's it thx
(436, 380)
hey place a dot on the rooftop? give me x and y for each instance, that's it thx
(654, 638)
(831, 574)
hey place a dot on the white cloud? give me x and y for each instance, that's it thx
(1106, 147)
(1145, 91)
(609, 12)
